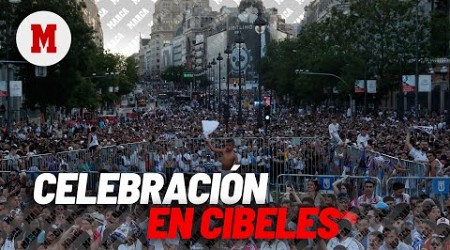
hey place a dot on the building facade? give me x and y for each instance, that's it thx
(92, 18)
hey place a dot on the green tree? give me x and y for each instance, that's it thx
(362, 40)
(70, 83)
(173, 74)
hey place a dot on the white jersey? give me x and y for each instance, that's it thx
(333, 129)
(94, 140)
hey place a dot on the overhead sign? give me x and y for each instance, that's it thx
(188, 74)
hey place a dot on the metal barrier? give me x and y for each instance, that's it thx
(432, 186)
(93, 177)
(276, 156)
(383, 166)
(299, 182)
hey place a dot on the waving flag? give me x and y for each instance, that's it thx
(209, 127)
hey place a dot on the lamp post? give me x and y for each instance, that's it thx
(227, 110)
(416, 92)
(209, 85)
(306, 72)
(219, 59)
(239, 42)
(8, 65)
(214, 63)
(260, 28)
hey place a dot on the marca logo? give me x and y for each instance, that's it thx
(43, 38)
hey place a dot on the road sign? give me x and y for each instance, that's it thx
(188, 74)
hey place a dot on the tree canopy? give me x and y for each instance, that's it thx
(374, 39)
(70, 83)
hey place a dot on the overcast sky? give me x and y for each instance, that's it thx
(123, 21)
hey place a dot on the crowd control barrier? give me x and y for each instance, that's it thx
(299, 183)
(285, 156)
(415, 186)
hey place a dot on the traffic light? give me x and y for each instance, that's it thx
(267, 115)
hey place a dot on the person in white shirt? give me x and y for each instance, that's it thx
(333, 129)
(369, 196)
(419, 155)
(399, 194)
(374, 217)
(344, 239)
(93, 144)
(362, 139)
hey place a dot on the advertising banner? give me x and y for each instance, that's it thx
(409, 83)
(16, 88)
(3, 89)
(372, 86)
(359, 86)
(425, 83)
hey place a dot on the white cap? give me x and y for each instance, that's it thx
(443, 220)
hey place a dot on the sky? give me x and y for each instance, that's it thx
(124, 21)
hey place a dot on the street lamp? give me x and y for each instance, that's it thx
(227, 110)
(209, 85)
(213, 63)
(220, 58)
(239, 42)
(260, 28)
(307, 72)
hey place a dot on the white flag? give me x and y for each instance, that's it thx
(426, 129)
(209, 127)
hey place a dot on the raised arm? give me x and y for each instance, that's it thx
(408, 141)
(89, 138)
(212, 148)
(336, 184)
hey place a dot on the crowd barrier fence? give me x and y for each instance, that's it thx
(433, 186)
(299, 183)
(273, 155)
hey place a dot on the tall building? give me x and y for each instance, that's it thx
(144, 58)
(319, 10)
(92, 18)
(168, 15)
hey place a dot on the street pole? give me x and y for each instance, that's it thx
(209, 85)
(213, 64)
(227, 111)
(8, 98)
(304, 72)
(239, 43)
(416, 97)
(365, 91)
(220, 58)
(260, 26)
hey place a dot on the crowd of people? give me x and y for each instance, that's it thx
(168, 139)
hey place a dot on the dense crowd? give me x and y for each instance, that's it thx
(298, 141)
